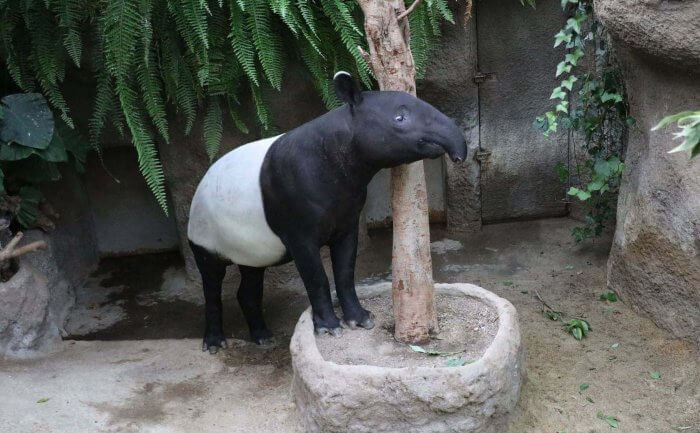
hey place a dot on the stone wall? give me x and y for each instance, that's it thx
(655, 259)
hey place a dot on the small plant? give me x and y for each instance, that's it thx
(689, 124)
(579, 328)
(32, 144)
(608, 296)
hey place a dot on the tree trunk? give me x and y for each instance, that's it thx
(412, 270)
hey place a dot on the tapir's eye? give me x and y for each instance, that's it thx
(399, 118)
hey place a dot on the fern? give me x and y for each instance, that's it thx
(213, 128)
(152, 56)
(266, 41)
(241, 43)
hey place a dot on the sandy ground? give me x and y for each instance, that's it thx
(137, 366)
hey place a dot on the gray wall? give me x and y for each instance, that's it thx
(127, 219)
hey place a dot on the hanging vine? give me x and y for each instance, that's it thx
(591, 105)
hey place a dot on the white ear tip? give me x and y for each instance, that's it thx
(341, 73)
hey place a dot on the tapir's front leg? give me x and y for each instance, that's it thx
(307, 258)
(343, 254)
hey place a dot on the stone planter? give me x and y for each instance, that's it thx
(477, 397)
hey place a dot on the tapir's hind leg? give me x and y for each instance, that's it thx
(213, 269)
(250, 295)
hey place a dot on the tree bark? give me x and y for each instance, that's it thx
(412, 270)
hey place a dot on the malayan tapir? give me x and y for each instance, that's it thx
(282, 198)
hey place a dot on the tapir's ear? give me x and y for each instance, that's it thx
(346, 89)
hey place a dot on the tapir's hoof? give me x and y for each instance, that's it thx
(367, 323)
(213, 343)
(335, 332)
(266, 342)
(263, 337)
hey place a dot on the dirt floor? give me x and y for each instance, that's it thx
(134, 363)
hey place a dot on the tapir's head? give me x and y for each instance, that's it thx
(393, 128)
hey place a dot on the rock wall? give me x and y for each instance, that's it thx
(655, 259)
(34, 304)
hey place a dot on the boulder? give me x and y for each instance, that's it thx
(655, 259)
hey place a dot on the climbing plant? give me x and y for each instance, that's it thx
(590, 103)
(199, 58)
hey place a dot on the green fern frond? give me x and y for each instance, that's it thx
(104, 106)
(419, 38)
(242, 44)
(186, 96)
(339, 15)
(141, 137)
(152, 91)
(212, 128)
(260, 107)
(122, 28)
(444, 10)
(236, 117)
(266, 40)
(307, 14)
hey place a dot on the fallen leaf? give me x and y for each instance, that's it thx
(612, 421)
(615, 345)
(655, 375)
(590, 400)
(43, 400)
(583, 387)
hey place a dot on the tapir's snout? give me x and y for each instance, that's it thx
(452, 140)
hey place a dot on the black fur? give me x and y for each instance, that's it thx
(314, 184)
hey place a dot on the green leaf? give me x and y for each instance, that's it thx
(456, 362)
(563, 67)
(582, 195)
(562, 172)
(589, 399)
(417, 348)
(607, 97)
(573, 58)
(655, 375)
(569, 82)
(43, 400)
(577, 333)
(612, 421)
(562, 37)
(574, 25)
(608, 296)
(558, 93)
(563, 107)
(28, 206)
(615, 345)
(27, 120)
(583, 387)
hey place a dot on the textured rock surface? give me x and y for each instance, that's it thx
(333, 398)
(24, 313)
(655, 258)
(660, 28)
(35, 307)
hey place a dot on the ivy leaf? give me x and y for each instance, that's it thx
(563, 67)
(573, 24)
(569, 82)
(562, 37)
(607, 97)
(582, 195)
(558, 93)
(563, 107)
(573, 58)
